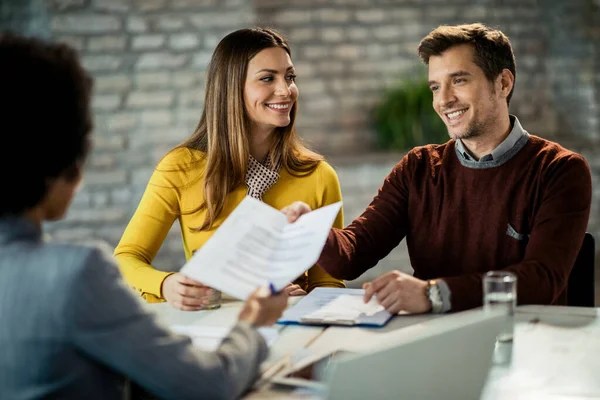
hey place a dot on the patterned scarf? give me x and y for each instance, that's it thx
(261, 177)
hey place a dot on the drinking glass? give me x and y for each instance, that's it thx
(500, 293)
(214, 300)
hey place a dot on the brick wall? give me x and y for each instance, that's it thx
(149, 59)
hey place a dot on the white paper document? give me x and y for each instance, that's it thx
(256, 246)
(333, 306)
(550, 362)
(210, 337)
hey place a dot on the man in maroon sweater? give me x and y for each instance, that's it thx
(493, 197)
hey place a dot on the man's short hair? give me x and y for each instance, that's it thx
(492, 51)
(46, 120)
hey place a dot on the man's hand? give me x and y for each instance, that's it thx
(294, 290)
(185, 293)
(397, 291)
(262, 308)
(295, 210)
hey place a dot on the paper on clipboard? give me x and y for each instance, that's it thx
(332, 306)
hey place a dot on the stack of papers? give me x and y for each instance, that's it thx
(210, 337)
(256, 246)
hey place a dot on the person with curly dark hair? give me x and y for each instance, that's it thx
(69, 326)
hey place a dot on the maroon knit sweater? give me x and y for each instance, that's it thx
(457, 221)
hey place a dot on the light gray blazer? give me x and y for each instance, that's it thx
(69, 328)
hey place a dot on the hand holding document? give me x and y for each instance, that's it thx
(256, 246)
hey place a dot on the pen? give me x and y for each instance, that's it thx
(274, 292)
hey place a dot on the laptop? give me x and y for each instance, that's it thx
(445, 358)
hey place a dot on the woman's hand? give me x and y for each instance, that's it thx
(185, 293)
(294, 290)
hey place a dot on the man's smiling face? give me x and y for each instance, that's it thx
(463, 97)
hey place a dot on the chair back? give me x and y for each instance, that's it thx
(581, 286)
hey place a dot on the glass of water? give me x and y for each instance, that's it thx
(214, 300)
(500, 294)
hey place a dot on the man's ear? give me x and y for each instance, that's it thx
(505, 82)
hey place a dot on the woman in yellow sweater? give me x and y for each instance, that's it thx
(245, 144)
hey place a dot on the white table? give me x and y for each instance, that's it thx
(534, 374)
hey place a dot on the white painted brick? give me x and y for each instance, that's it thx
(184, 41)
(312, 87)
(149, 5)
(63, 5)
(332, 15)
(139, 99)
(86, 23)
(111, 83)
(102, 62)
(121, 195)
(122, 122)
(388, 32)
(182, 4)
(69, 235)
(201, 59)
(114, 177)
(99, 199)
(358, 33)
(147, 42)
(348, 51)
(107, 43)
(191, 97)
(304, 69)
(156, 118)
(169, 23)
(108, 142)
(370, 16)
(221, 19)
(102, 160)
(161, 61)
(152, 80)
(76, 42)
(111, 6)
(293, 17)
(136, 24)
(106, 102)
(332, 34)
(101, 215)
(187, 79)
(312, 52)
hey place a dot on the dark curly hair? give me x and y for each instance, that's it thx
(46, 119)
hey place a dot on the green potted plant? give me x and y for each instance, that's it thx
(405, 117)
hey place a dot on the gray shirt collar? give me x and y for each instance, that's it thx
(513, 137)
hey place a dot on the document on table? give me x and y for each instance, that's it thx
(256, 246)
(332, 306)
(551, 361)
(210, 337)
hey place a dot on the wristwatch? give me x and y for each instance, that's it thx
(432, 291)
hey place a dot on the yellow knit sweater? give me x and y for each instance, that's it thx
(176, 188)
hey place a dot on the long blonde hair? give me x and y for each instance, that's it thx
(222, 133)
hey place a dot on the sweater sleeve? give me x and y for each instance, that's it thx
(331, 193)
(146, 231)
(351, 251)
(556, 236)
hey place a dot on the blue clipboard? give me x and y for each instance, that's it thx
(319, 297)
